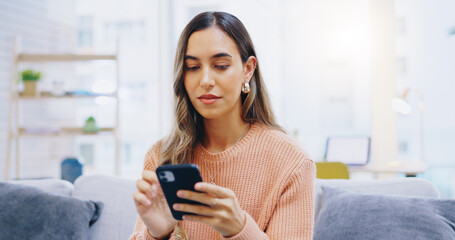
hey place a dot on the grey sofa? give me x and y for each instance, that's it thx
(119, 215)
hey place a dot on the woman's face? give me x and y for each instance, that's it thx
(214, 74)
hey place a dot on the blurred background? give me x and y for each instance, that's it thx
(333, 68)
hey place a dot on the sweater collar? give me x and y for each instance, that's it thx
(232, 151)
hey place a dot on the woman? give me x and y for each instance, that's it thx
(258, 183)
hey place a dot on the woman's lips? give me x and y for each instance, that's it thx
(208, 98)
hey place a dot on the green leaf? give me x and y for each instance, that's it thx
(30, 75)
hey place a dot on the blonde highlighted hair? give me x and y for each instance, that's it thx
(188, 126)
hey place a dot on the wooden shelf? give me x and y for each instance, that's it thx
(16, 98)
(68, 131)
(62, 57)
(43, 95)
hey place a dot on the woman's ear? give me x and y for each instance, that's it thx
(249, 68)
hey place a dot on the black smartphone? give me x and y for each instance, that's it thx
(178, 177)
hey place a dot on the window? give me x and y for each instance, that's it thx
(85, 31)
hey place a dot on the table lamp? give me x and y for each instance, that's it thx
(401, 106)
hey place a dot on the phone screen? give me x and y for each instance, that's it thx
(178, 177)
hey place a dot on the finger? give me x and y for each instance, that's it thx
(194, 208)
(196, 196)
(140, 198)
(149, 176)
(147, 188)
(214, 190)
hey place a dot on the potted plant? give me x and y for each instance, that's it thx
(30, 78)
(90, 126)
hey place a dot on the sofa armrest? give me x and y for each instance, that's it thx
(119, 213)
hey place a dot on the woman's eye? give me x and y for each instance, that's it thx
(192, 68)
(222, 67)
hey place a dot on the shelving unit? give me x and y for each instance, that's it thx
(48, 95)
(16, 132)
(22, 132)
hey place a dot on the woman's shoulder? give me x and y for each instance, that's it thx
(277, 140)
(272, 135)
(284, 153)
(155, 148)
(153, 155)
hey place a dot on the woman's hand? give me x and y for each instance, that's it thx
(223, 212)
(152, 206)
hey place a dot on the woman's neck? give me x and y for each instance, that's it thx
(223, 134)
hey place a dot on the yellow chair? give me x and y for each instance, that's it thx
(332, 170)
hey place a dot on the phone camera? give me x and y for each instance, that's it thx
(166, 176)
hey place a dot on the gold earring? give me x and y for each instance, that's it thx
(246, 88)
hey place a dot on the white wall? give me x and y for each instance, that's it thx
(145, 62)
(429, 67)
(427, 53)
(44, 26)
(326, 71)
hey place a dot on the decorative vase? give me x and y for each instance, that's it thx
(29, 88)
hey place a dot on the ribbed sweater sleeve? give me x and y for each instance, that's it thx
(251, 230)
(291, 219)
(293, 216)
(140, 231)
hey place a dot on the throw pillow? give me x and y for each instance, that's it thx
(348, 215)
(29, 213)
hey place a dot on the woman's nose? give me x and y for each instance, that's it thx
(207, 80)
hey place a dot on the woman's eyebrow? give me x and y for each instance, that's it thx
(221, 55)
(190, 57)
(218, 55)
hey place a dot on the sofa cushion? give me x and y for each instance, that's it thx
(30, 213)
(49, 185)
(119, 213)
(349, 215)
(413, 187)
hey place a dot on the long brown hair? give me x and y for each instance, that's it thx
(188, 126)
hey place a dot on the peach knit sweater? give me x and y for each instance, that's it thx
(272, 178)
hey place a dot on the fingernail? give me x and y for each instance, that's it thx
(198, 186)
(180, 194)
(154, 187)
(147, 203)
(176, 207)
(184, 217)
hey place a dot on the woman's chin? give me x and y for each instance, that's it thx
(217, 112)
(210, 115)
